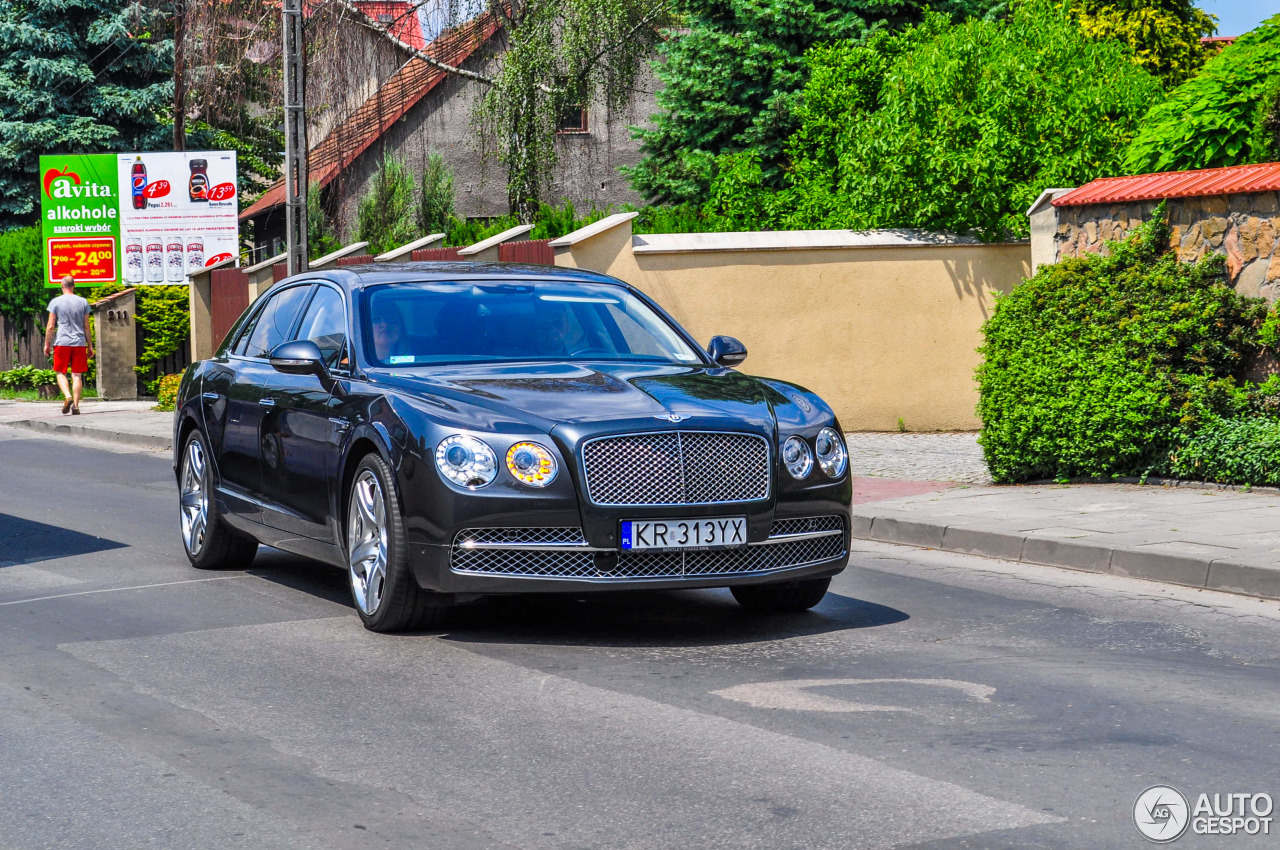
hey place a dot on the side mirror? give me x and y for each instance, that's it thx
(300, 357)
(303, 357)
(727, 351)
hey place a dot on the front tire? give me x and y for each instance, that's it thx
(780, 597)
(386, 596)
(209, 542)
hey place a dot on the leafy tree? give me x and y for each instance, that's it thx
(1164, 34)
(435, 203)
(558, 54)
(76, 76)
(953, 127)
(23, 296)
(386, 216)
(1265, 144)
(731, 80)
(1208, 121)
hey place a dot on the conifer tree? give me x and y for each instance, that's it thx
(76, 76)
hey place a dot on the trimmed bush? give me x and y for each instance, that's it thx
(1096, 366)
(167, 391)
(1240, 450)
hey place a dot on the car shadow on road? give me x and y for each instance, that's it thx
(24, 541)
(651, 618)
(623, 618)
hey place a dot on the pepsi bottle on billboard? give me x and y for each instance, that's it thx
(139, 181)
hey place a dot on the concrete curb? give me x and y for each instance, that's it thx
(1223, 574)
(86, 432)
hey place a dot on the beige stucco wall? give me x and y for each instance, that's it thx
(882, 333)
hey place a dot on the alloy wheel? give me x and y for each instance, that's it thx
(193, 499)
(367, 541)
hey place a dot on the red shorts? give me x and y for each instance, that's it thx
(75, 357)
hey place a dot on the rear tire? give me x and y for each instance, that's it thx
(779, 597)
(209, 542)
(386, 596)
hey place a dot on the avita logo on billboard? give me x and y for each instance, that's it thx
(65, 184)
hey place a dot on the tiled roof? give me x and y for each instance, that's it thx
(400, 93)
(1234, 180)
(398, 16)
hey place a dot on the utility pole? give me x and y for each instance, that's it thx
(295, 137)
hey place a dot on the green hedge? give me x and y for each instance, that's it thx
(1105, 366)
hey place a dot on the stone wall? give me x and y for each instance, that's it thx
(1245, 228)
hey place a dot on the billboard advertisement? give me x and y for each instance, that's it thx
(137, 218)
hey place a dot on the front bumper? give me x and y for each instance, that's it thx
(533, 559)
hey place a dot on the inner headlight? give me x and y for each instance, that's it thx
(531, 464)
(797, 458)
(466, 461)
(832, 456)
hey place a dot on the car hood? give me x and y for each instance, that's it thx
(593, 397)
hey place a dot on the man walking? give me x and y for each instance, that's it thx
(69, 317)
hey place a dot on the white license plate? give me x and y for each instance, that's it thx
(711, 533)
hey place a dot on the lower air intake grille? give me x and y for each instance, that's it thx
(562, 553)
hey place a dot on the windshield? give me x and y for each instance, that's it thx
(476, 321)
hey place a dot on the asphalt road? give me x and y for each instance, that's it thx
(932, 700)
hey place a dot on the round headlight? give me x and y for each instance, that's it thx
(531, 464)
(466, 461)
(797, 458)
(832, 456)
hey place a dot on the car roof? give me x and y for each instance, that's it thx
(368, 274)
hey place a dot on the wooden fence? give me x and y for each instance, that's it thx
(17, 349)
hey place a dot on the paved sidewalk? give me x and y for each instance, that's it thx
(1196, 536)
(131, 423)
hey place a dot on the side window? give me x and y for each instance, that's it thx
(242, 341)
(275, 321)
(325, 324)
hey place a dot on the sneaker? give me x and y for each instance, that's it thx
(75, 410)
(66, 407)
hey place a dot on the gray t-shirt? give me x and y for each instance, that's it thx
(70, 311)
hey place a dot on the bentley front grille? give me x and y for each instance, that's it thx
(676, 468)
(563, 553)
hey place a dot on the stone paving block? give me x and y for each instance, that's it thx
(1161, 566)
(989, 544)
(1253, 579)
(891, 530)
(1072, 554)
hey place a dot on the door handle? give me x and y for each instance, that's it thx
(267, 402)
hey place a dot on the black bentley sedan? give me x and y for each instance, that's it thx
(447, 430)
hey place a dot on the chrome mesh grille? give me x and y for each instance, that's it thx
(805, 525)
(528, 536)
(573, 562)
(676, 468)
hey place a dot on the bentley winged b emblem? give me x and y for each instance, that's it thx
(670, 417)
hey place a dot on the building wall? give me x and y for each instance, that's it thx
(1244, 227)
(882, 332)
(586, 174)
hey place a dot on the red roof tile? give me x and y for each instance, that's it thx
(398, 16)
(400, 93)
(1236, 179)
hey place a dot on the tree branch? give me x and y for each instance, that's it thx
(363, 20)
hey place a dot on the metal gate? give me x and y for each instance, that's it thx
(228, 298)
(536, 251)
